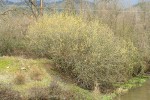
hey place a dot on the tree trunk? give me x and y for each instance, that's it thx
(41, 7)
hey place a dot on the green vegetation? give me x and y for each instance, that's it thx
(17, 69)
(73, 55)
(133, 82)
(48, 81)
(49, 77)
(87, 51)
(123, 88)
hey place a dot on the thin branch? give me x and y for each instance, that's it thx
(7, 11)
(31, 4)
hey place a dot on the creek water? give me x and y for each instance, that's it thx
(140, 93)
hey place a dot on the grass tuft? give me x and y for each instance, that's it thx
(19, 78)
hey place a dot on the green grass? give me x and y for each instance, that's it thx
(4, 63)
(125, 87)
(84, 93)
(9, 66)
(13, 64)
(109, 96)
(132, 83)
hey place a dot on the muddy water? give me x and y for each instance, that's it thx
(140, 93)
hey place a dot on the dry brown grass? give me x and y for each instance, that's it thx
(36, 74)
(38, 93)
(19, 78)
(7, 93)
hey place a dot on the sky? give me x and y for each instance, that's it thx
(124, 1)
(133, 1)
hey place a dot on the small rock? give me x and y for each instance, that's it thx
(121, 91)
(28, 66)
(23, 68)
(7, 67)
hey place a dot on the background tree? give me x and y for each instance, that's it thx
(1, 2)
(69, 6)
(36, 10)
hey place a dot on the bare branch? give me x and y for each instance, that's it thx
(32, 5)
(7, 11)
(35, 8)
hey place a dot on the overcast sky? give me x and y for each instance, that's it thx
(133, 1)
(124, 1)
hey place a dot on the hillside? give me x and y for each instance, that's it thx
(60, 5)
(57, 5)
(143, 5)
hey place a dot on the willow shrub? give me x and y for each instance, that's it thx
(12, 34)
(89, 52)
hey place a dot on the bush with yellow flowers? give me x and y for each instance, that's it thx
(87, 51)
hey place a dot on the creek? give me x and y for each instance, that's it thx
(139, 93)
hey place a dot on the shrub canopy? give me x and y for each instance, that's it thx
(87, 51)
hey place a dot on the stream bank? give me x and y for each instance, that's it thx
(131, 89)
